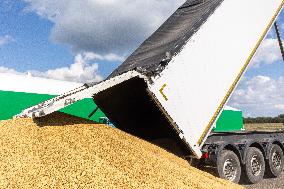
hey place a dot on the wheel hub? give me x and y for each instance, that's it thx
(276, 160)
(230, 170)
(256, 165)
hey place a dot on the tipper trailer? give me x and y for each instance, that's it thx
(175, 85)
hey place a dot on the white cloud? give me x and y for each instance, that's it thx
(5, 39)
(82, 70)
(259, 96)
(268, 52)
(103, 26)
(8, 70)
(279, 106)
(108, 57)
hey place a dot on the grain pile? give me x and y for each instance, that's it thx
(67, 152)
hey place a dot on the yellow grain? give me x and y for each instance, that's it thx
(61, 151)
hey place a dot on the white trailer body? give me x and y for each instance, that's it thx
(177, 82)
(203, 75)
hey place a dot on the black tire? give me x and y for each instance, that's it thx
(228, 166)
(275, 161)
(254, 167)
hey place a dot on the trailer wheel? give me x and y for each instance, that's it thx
(228, 166)
(254, 166)
(275, 161)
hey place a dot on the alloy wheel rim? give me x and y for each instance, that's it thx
(230, 170)
(256, 166)
(276, 160)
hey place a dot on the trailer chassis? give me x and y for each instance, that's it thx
(244, 155)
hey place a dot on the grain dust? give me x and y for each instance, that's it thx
(65, 152)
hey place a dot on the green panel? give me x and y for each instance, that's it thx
(83, 108)
(229, 121)
(13, 103)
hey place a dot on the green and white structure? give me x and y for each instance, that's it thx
(18, 92)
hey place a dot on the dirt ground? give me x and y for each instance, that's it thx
(266, 183)
(264, 126)
(275, 183)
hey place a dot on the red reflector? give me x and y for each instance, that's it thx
(205, 155)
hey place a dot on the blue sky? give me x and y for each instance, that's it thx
(30, 47)
(261, 90)
(47, 37)
(52, 39)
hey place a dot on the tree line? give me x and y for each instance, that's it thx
(278, 119)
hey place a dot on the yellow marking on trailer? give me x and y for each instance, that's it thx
(162, 93)
(240, 75)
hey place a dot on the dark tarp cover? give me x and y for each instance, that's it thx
(170, 37)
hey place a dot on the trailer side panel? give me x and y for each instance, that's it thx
(198, 81)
